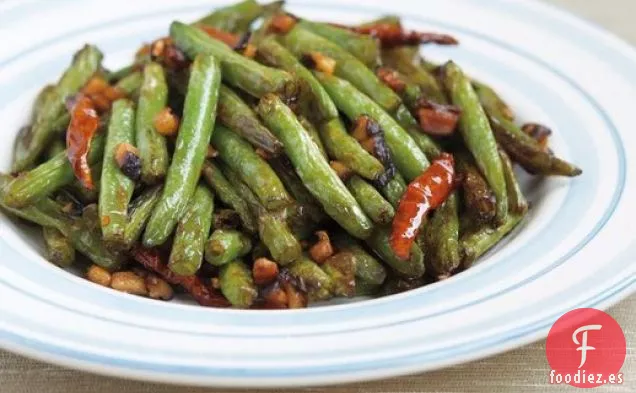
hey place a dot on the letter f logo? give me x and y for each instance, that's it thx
(583, 344)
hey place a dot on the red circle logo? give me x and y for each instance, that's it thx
(586, 348)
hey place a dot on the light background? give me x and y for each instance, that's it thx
(522, 370)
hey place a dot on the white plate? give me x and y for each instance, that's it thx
(575, 250)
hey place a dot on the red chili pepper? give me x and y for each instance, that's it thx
(391, 35)
(426, 192)
(150, 258)
(80, 132)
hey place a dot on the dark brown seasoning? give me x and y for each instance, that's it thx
(128, 161)
(226, 219)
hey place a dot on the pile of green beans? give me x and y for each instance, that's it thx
(264, 192)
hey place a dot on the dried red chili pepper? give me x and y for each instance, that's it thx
(426, 192)
(437, 119)
(391, 35)
(80, 132)
(150, 258)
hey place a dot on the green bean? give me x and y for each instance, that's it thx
(478, 199)
(252, 169)
(188, 246)
(362, 46)
(234, 18)
(300, 221)
(48, 177)
(441, 236)
(301, 41)
(394, 190)
(139, 213)
(226, 193)
(426, 144)
(365, 288)
(153, 148)
(524, 149)
(237, 284)
(368, 269)
(273, 229)
(56, 147)
(226, 245)
(238, 70)
(255, 206)
(344, 148)
(402, 59)
(295, 186)
(319, 284)
(490, 99)
(53, 241)
(313, 133)
(477, 134)
(314, 100)
(45, 94)
(478, 242)
(516, 200)
(409, 159)
(120, 73)
(379, 243)
(374, 205)
(192, 142)
(84, 238)
(27, 150)
(131, 83)
(341, 269)
(45, 213)
(59, 249)
(280, 241)
(234, 113)
(116, 189)
(85, 195)
(315, 172)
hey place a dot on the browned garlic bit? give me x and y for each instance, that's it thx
(264, 271)
(129, 282)
(158, 288)
(319, 62)
(323, 249)
(99, 275)
(166, 123)
(341, 169)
